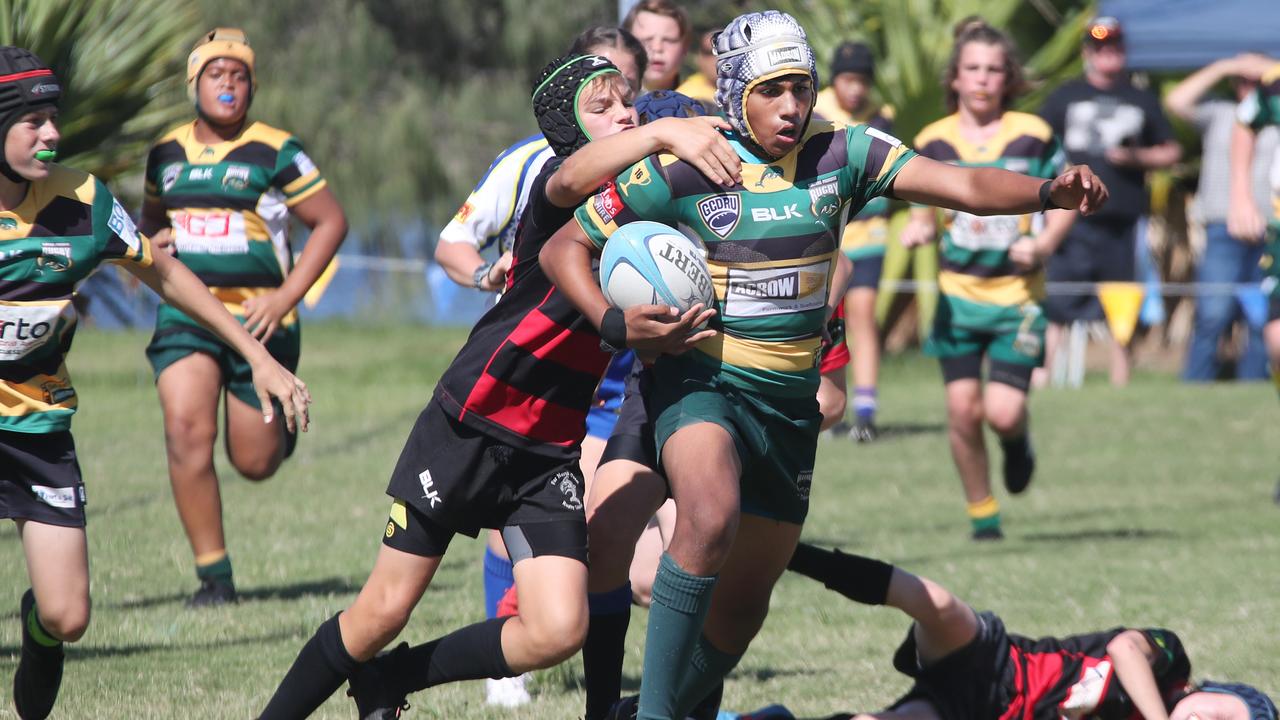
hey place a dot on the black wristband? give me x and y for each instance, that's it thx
(613, 330)
(1046, 198)
(480, 275)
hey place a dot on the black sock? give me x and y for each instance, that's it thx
(709, 707)
(472, 653)
(1019, 462)
(321, 668)
(603, 651)
(858, 578)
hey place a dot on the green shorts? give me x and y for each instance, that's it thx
(776, 438)
(1011, 334)
(171, 343)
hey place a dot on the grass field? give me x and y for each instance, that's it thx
(1152, 506)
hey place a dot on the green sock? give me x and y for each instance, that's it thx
(985, 514)
(219, 570)
(680, 604)
(37, 631)
(707, 668)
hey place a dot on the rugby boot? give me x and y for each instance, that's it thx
(1019, 463)
(988, 533)
(213, 591)
(35, 684)
(369, 688)
(864, 431)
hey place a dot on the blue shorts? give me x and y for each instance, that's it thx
(608, 400)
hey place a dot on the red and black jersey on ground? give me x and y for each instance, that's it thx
(530, 367)
(1001, 676)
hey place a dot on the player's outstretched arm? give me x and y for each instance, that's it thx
(566, 259)
(182, 289)
(695, 140)
(1132, 656)
(992, 191)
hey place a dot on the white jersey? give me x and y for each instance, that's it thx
(492, 211)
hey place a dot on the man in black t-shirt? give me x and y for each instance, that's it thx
(1121, 132)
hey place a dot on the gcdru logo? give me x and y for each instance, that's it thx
(720, 213)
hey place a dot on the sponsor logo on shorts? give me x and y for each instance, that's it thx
(803, 482)
(720, 213)
(607, 204)
(55, 256)
(236, 177)
(64, 498)
(824, 197)
(786, 55)
(122, 225)
(428, 488)
(567, 483)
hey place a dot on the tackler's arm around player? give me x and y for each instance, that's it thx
(697, 141)
(992, 191)
(649, 329)
(178, 286)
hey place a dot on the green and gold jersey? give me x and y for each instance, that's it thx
(62, 230)
(975, 265)
(771, 242)
(228, 204)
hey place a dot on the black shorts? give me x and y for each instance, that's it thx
(1093, 251)
(633, 438)
(1273, 309)
(40, 478)
(969, 367)
(972, 683)
(460, 480)
(866, 272)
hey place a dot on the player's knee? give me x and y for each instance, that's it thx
(1005, 421)
(256, 469)
(189, 439)
(556, 636)
(66, 621)
(965, 415)
(383, 616)
(712, 529)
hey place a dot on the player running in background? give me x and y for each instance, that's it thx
(848, 100)
(488, 219)
(736, 419)
(56, 226)
(219, 194)
(991, 279)
(497, 445)
(966, 666)
(1244, 219)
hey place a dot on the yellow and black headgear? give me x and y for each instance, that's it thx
(220, 43)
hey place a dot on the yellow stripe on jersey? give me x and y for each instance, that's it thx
(18, 400)
(785, 356)
(233, 299)
(199, 153)
(294, 187)
(607, 228)
(891, 160)
(1006, 290)
(1012, 126)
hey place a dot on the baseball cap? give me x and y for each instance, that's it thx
(853, 57)
(1104, 29)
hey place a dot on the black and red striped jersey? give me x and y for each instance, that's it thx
(530, 367)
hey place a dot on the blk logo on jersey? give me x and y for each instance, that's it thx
(786, 212)
(720, 213)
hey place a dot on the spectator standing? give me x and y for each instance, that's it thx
(1120, 132)
(663, 28)
(1226, 259)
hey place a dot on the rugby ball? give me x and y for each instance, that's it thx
(648, 263)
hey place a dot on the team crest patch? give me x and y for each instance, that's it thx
(170, 176)
(55, 256)
(567, 484)
(720, 213)
(236, 177)
(824, 198)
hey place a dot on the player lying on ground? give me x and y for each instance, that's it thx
(966, 666)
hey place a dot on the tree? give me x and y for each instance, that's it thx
(120, 64)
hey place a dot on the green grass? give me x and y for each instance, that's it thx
(1152, 507)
